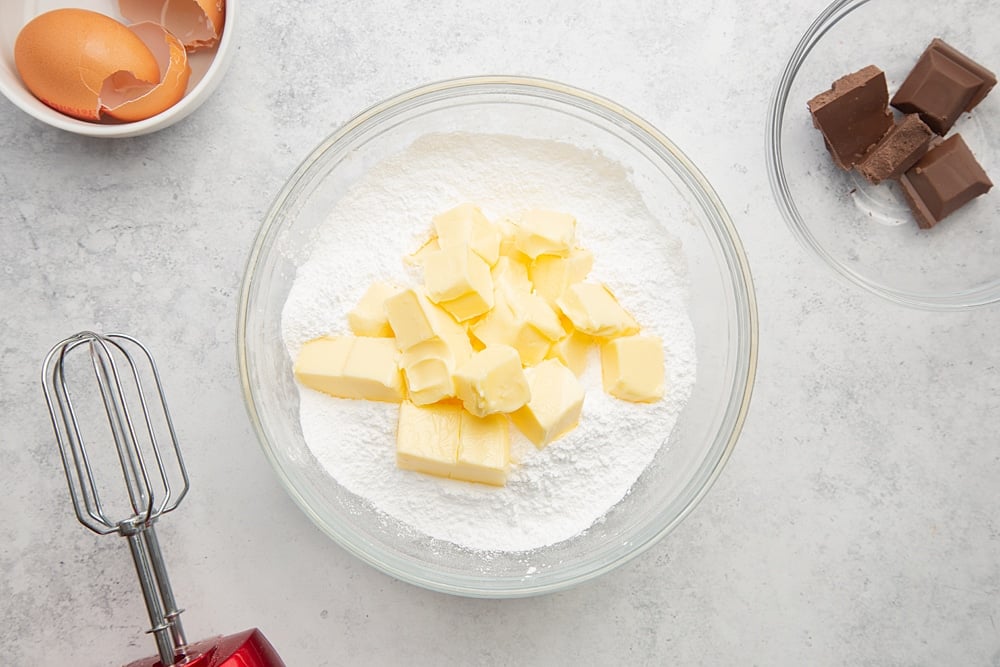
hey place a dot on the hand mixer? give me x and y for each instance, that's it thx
(129, 409)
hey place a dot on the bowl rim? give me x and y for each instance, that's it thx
(747, 317)
(954, 301)
(224, 52)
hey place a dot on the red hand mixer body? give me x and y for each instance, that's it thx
(126, 488)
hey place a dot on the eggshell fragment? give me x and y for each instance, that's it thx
(145, 101)
(65, 56)
(197, 23)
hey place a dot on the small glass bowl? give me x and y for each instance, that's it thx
(866, 232)
(722, 309)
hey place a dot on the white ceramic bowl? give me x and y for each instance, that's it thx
(207, 70)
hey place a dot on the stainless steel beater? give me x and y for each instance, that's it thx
(130, 409)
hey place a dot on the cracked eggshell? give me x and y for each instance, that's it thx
(197, 23)
(208, 69)
(132, 104)
(65, 56)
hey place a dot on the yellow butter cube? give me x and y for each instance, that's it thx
(465, 226)
(534, 310)
(593, 310)
(428, 380)
(502, 326)
(320, 362)
(632, 368)
(428, 368)
(555, 405)
(551, 275)
(414, 319)
(368, 317)
(483, 450)
(419, 257)
(373, 368)
(427, 438)
(445, 440)
(492, 381)
(350, 367)
(511, 272)
(459, 281)
(573, 350)
(538, 232)
(508, 248)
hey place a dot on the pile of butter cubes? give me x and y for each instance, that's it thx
(498, 333)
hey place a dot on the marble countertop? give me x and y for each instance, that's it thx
(857, 523)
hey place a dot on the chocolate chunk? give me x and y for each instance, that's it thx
(853, 115)
(899, 150)
(942, 85)
(946, 178)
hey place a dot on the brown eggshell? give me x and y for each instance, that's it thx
(137, 103)
(197, 23)
(64, 57)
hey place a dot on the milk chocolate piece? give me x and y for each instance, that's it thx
(899, 150)
(853, 115)
(946, 178)
(942, 85)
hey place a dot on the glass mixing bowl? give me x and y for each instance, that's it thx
(722, 309)
(866, 232)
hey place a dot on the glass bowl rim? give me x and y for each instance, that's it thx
(827, 19)
(747, 318)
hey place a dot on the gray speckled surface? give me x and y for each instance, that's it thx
(857, 522)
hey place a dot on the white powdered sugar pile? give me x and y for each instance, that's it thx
(551, 494)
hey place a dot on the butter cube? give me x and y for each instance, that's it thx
(320, 363)
(419, 257)
(593, 310)
(445, 440)
(632, 368)
(539, 232)
(555, 405)
(573, 350)
(551, 275)
(502, 326)
(459, 281)
(368, 317)
(465, 226)
(534, 310)
(508, 248)
(414, 319)
(428, 380)
(428, 368)
(373, 369)
(349, 367)
(483, 450)
(511, 272)
(492, 381)
(427, 438)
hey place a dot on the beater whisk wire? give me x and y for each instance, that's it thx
(126, 405)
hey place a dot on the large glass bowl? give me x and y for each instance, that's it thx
(863, 232)
(722, 309)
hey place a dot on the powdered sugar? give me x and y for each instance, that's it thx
(552, 494)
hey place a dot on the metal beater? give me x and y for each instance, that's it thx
(130, 410)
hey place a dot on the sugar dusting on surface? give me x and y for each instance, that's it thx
(552, 494)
